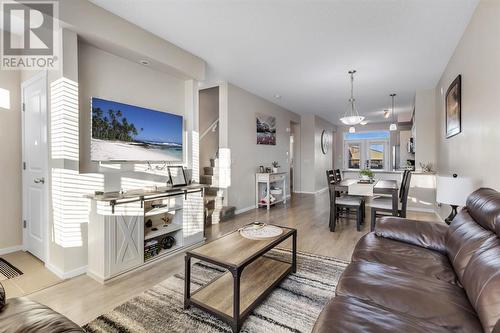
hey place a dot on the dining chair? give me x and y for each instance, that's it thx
(330, 176)
(343, 205)
(400, 193)
(382, 206)
(403, 183)
(338, 175)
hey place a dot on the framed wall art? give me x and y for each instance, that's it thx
(453, 108)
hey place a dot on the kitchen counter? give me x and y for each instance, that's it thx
(418, 172)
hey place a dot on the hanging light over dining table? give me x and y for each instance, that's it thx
(351, 116)
(393, 126)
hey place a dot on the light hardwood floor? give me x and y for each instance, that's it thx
(82, 299)
(35, 276)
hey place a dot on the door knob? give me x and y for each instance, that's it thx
(39, 180)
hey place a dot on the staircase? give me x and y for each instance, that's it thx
(215, 211)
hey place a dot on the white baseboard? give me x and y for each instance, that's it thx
(11, 249)
(243, 210)
(322, 190)
(246, 209)
(95, 277)
(66, 275)
(314, 193)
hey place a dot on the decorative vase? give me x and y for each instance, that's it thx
(365, 177)
(275, 170)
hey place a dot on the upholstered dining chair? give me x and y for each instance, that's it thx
(382, 206)
(343, 205)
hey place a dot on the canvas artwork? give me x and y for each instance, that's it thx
(454, 108)
(266, 129)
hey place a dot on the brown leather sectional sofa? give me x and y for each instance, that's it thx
(21, 315)
(414, 276)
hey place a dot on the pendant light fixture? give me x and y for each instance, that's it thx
(393, 126)
(352, 129)
(351, 116)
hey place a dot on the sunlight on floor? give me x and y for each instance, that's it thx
(35, 276)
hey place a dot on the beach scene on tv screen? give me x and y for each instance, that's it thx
(122, 132)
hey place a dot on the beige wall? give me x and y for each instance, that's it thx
(209, 112)
(10, 163)
(104, 75)
(474, 152)
(297, 155)
(322, 162)
(425, 128)
(246, 155)
(314, 163)
(307, 170)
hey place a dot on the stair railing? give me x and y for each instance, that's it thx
(210, 128)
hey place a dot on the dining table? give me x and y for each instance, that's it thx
(381, 186)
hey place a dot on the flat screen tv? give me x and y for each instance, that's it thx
(123, 132)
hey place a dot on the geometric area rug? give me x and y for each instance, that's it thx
(293, 306)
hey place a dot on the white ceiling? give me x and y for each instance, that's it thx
(302, 50)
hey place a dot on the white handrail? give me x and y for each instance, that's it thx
(212, 128)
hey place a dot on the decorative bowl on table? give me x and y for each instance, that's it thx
(259, 231)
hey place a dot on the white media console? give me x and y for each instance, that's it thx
(128, 231)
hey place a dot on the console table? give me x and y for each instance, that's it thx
(127, 230)
(263, 190)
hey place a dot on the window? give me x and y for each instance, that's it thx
(353, 155)
(366, 150)
(376, 155)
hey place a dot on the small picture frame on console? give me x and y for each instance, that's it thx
(177, 176)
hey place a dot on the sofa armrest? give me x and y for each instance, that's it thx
(2, 297)
(429, 235)
(24, 315)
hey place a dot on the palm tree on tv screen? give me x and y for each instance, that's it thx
(115, 127)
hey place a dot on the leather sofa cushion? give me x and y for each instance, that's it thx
(349, 314)
(465, 237)
(484, 207)
(426, 298)
(23, 315)
(429, 235)
(482, 283)
(2, 296)
(405, 257)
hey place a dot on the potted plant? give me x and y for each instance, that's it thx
(366, 174)
(275, 166)
(426, 167)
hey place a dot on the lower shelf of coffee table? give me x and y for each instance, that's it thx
(256, 279)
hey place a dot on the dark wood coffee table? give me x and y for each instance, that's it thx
(250, 278)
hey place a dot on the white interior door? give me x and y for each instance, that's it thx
(35, 165)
